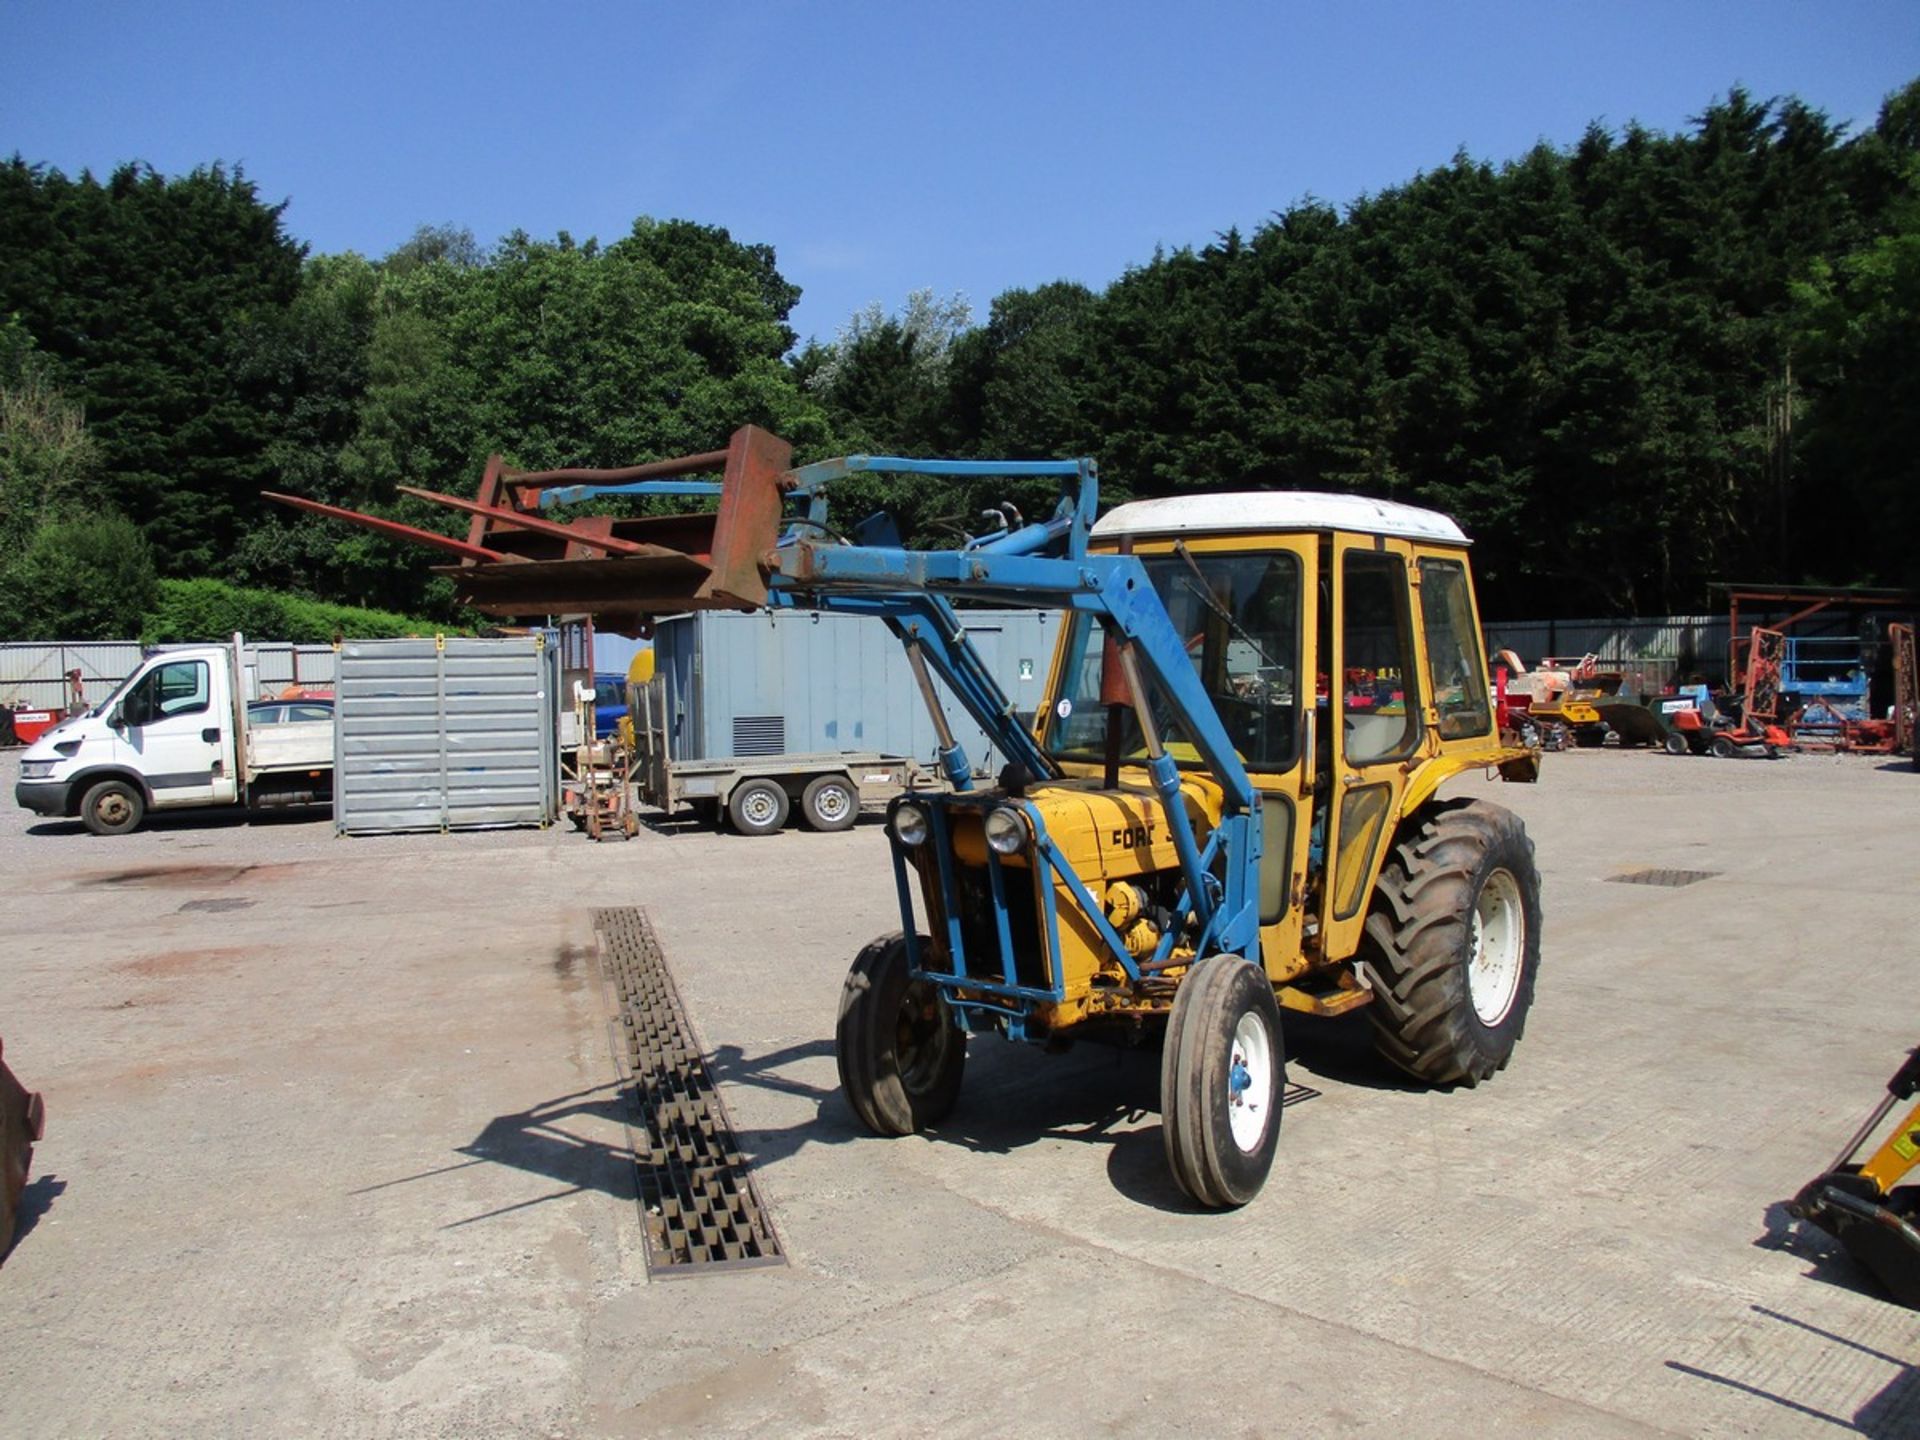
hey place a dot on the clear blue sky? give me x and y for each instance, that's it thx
(885, 147)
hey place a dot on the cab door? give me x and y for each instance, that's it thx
(174, 731)
(1246, 606)
(1376, 717)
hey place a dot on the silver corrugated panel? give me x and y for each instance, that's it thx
(830, 682)
(34, 674)
(445, 736)
(283, 665)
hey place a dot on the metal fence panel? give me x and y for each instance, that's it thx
(452, 735)
(34, 675)
(1650, 651)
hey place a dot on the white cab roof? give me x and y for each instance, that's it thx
(1277, 512)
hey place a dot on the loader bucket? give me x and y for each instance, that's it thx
(22, 1121)
(516, 562)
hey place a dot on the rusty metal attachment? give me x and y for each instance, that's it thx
(516, 561)
(23, 1120)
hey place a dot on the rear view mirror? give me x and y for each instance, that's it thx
(116, 720)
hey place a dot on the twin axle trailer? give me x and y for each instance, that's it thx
(762, 716)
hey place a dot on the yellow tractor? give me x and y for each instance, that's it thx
(1864, 1205)
(1228, 804)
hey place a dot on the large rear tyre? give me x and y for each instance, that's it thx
(830, 803)
(113, 807)
(1222, 1071)
(1454, 940)
(900, 1054)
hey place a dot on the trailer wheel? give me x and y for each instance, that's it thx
(113, 807)
(758, 807)
(1454, 940)
(1677, 744)
(830, 803)
(1222, 1070)
(900, 1054)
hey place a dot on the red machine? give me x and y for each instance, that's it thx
(1749, 726)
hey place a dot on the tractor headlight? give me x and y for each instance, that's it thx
(909, 825)
(1006, 830)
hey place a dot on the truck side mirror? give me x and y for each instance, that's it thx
(116, 719)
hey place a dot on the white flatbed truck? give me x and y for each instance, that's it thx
(174, 735)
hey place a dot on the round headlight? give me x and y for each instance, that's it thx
(1006, 831)
(909, 825)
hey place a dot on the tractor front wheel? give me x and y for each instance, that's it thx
(1222, 1071)
(900, 1054)
(1453, 939)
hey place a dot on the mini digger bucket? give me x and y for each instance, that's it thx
(23, 1119)
(516, 562)
(1863, 1205)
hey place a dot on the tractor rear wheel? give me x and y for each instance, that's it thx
(1453, 939)
(1222, 1071)
(900, 1054)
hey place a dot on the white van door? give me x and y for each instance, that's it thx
(169, 723)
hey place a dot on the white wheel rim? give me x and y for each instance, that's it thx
(1499, 946)
(758, 807)
(831, 802)
(1249, 1082)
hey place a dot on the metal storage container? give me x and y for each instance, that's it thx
(445, 734)
(797, 681)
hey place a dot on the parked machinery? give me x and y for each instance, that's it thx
(23, 1120)
(1202, 828)
(1747, 725)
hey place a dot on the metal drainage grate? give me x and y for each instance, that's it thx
(1671, 879)
(698, 1202)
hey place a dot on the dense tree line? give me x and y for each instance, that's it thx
(1629, 368)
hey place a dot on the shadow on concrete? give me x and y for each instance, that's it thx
(36, 1200)
(1827, 1259)
(1341, 1050)
(1015, 1096)
(1892, 1411)
(228, 818)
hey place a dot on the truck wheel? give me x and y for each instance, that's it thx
(900, 1054)
(1454, 935)
(1677, 744)
(758, 807)
(1222, 1070)
(113, 807)
(830, 803)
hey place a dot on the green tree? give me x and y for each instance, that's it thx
(90, 578)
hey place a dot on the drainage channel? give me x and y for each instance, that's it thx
(699, 1206)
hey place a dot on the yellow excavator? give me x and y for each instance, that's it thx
(1863, 1205)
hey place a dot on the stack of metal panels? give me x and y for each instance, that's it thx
(446, 734)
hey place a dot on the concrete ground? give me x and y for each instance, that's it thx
(334, 1148)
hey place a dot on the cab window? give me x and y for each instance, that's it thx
(1455, 668)
(1379, 708)
(1239, 617)
(176, 688)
